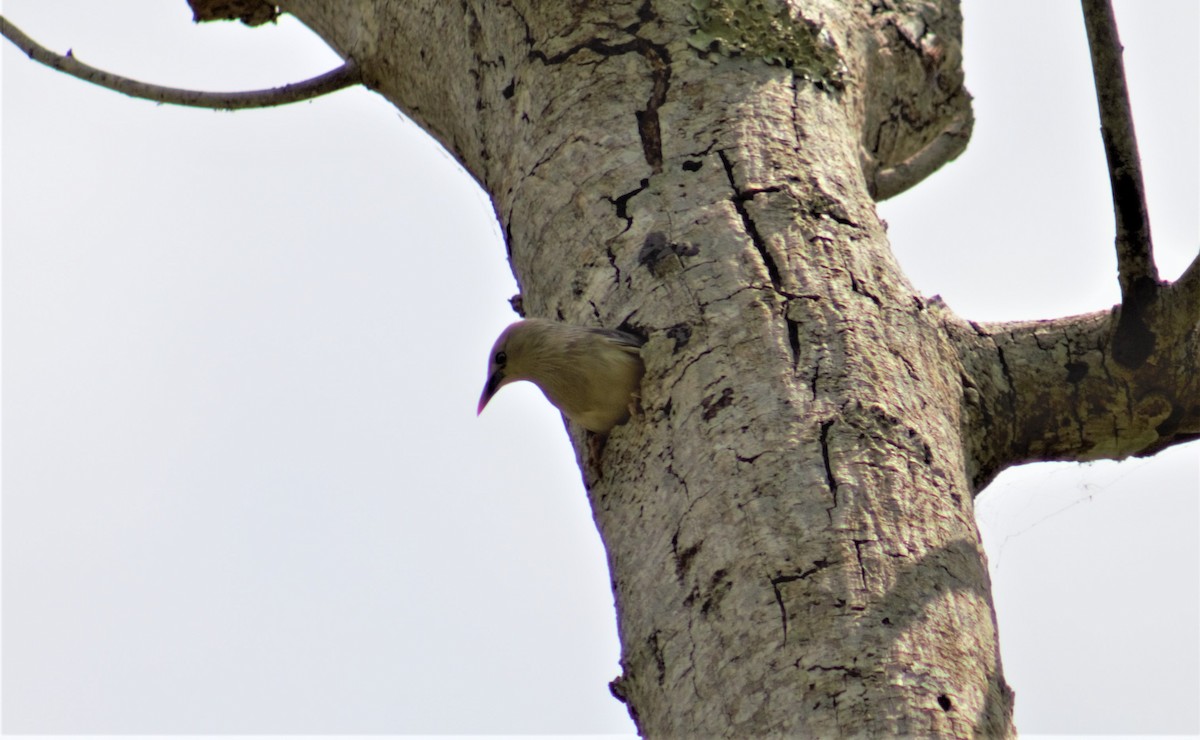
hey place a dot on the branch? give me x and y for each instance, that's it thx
(945, 147)
(344, 76)
(1135, 257)
(1048, 390)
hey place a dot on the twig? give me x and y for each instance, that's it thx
(1135, 255)
(344, 76)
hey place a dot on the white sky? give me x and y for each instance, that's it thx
(244, 489)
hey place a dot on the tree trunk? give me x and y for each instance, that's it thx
(789, 523)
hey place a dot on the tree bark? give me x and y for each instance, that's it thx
(789, 523)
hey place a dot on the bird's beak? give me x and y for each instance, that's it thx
(489, 390)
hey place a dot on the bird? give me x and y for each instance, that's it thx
(592, 375)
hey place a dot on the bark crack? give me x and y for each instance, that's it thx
(621, 202)
(783, 615)
(659, 60)
(739, 203)
(779, 580)
(793, 331)
(816, 374)
(612, 262)
(862, 568)
(830, 480)
(694, 360)
(760, 245)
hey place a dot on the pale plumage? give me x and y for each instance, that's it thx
(591, 375)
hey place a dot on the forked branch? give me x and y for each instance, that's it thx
(1107, 385)
(344, 76)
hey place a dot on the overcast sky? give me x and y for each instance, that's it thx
(244, 488)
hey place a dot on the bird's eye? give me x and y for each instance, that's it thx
(500, 358)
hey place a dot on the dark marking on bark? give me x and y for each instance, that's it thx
(682, 334)
(908, 366)
(510, 90)
(862, 567)
(612, 262)
(662, 257)
(694, 360)
(628, 326)
(678, 479)
(857, 287)
(692, 165)
(659, 60)
(691, 597)
(645, 15)
(654, 249)
(648, 124)
(945, 703)
(718, 587)
(851, 671)
(683, 558)
(1076, 371)
(711, 407)
(1133, 340)
(660, 661)
(793, 331)
(783, 615)
(621, 202)
(818, 566)
(834, 211)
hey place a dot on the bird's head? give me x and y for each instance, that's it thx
(518, 353)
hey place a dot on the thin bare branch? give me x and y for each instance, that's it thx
(1135, 257)
(344, 76)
